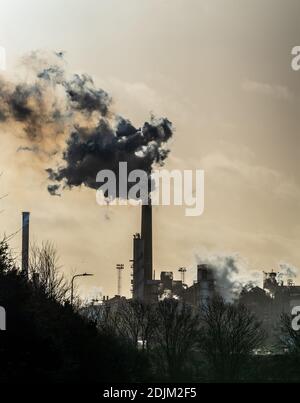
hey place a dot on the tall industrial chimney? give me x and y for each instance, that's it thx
(146, 235)
(142, 256)
(25, 243)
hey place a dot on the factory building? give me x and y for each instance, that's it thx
(202, 290)
(268, 302)
(274, 299)
(142, 263)
(146, 288)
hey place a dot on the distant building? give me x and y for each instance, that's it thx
(147, 289)
(142, 281)
(204, 289)
(271, 301)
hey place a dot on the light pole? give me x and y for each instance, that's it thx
(72, 283)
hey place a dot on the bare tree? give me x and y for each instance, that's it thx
(229, 334)
(105, 316)
(7, 262)
(131, 320)
(45, 271)
(137, 321)
(175, 334)
(289, 339)
(147, 321)
(128, 323)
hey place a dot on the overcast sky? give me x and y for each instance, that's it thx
(220, 70)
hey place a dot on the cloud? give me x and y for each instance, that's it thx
(256, 176)
(275, 91)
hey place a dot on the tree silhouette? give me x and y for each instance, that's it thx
(45, 271)
(176, 330)
(289, 338)
(48, 341)
(229, 334)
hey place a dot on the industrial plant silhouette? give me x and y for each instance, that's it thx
(167, 331)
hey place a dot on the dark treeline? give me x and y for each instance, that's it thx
(47, 341)
(224, 342)
(128, 341)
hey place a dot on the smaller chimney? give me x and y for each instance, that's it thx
(25, 243)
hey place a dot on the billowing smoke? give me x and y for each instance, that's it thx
(37, 107)
(231, 273)
(69, 116)
(104, 147)
(287, 271)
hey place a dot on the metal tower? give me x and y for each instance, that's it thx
(119, 268)
(182, 271)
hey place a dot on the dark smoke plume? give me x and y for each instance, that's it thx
(71, 117)
(89, 151)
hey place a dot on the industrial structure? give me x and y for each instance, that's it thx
(148, 289)
(203, 289)
(267, 302)
(271, 301)
(25, 243)
(120, 268)
(142, 282)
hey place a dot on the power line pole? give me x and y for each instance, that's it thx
(119, 267)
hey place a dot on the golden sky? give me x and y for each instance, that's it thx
(220, 70)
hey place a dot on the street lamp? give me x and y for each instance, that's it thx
(72, 283)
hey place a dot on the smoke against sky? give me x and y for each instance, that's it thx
(201, 64)
(287, 271)
(58, 114)
(231, 271)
